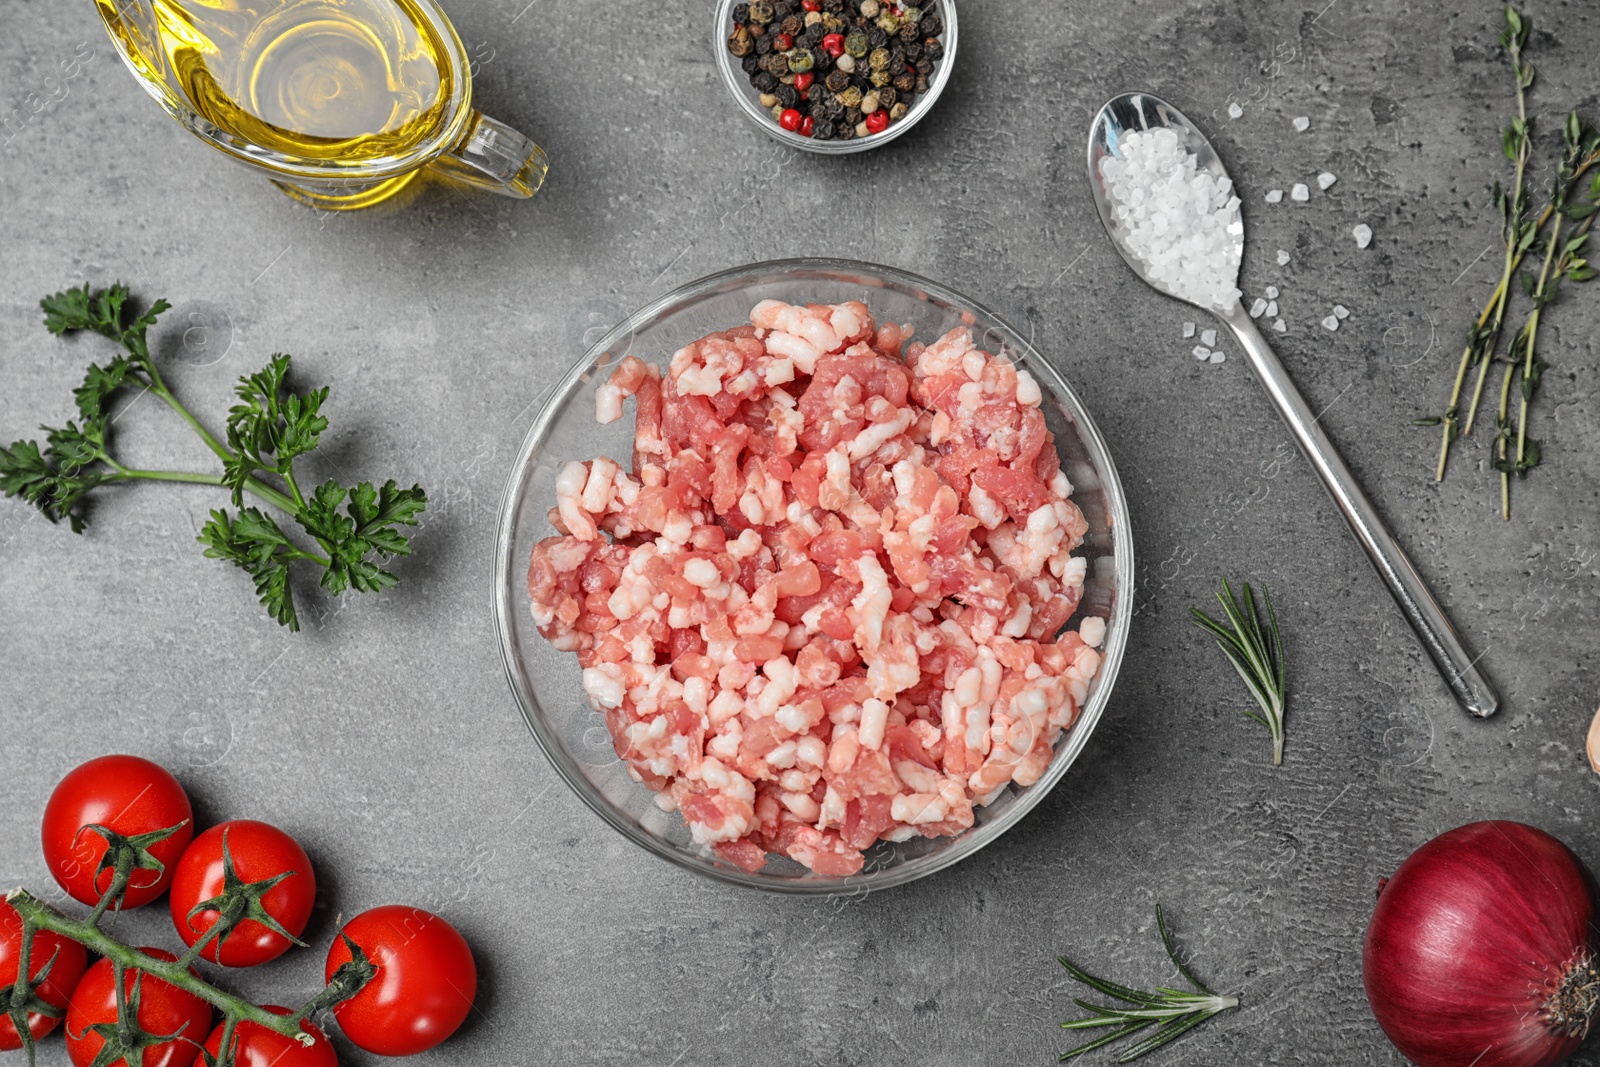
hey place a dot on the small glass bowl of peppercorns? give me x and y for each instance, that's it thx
(835, 76)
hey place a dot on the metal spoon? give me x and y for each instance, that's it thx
(1140, 111)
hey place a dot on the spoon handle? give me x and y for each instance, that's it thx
(1458, 669)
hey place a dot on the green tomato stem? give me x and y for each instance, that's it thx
(42, 916)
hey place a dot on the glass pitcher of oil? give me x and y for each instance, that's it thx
(341, 102)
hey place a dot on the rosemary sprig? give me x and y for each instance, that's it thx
(1177, 1011)
(1561, 261)
(1256, 653)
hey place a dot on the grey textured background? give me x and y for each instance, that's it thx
(384, 736)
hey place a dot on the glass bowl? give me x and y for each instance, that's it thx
(749, 100)
(547, 683)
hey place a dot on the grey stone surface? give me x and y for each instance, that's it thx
(384, 735)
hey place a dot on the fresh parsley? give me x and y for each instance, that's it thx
(355, 529)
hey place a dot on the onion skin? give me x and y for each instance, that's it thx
(1471, 939)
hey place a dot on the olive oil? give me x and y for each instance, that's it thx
(332, 81)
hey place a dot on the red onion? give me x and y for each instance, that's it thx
(1481, 951)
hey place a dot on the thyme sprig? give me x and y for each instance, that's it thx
(1256, 652)
(1521, 236)
(1177, 1011)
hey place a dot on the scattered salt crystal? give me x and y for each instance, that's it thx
(1208, 337)
(1218, 357)
(1257, 308)
(1300, 192)
(1324, 180)
(1283, 258)
(1235, 111)
(1272, 309)
(1272, 292)
(1274, 195)
(1174, 219)
(1363, 235)
(1341, 311)
(1202, 353)
(1302, 124)
(1331, 322)
(1280, 326)
(1188, 329)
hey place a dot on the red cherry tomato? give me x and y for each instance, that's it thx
(424, 986)
(256, 1046)
(128, 795)
(878, 121)
(807, 125)
(260, 851)
(790, 119)
(55, 991)
(833, 44)
(163, 1009)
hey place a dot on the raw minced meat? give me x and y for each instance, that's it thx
(824, 606)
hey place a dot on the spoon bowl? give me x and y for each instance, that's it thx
(1142, 112)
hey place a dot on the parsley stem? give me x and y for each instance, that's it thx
(265, 492)
(159, 387)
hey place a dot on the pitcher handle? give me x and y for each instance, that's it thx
(491, 155)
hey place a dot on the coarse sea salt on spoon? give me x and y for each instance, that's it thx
(1274, 196)
(1362, 234)
(1196, 258)
(1302, 124)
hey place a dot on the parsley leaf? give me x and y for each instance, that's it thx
(256, 544)
(367, 527)
(272, 426)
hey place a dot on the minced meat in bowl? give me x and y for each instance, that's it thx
(833, 589)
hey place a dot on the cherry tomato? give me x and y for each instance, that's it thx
(256, 1046)
(128, 795)
(163, 1009)
(260, 851)
(424, 986)
(878, 121)
(55, 991)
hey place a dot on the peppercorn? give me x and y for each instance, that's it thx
(879, 60)
(846, 63)
(862, 129)
(856, 43)
(764, 45)
(913, 51)
(782, 42)
(813, 18)
(822, 131)
(789, 119)
(833, 7)
(836, 81)
(760, 11)
(869, 103)
(812, 37)
(800, 60)
(792, 25)
(767, 100)
(924, 66)
(787, 96)
(922, 84)
(887, 96)
(905, 81)
(911, 15)
(897, 58)
(843, 131)
(853, 116)
(898, 112)
(877, 122)
(831, 23)
(908, 33)
(869, 9)
(889, 23)
(764, 82)
(741, 12)
(851, 97)
(777, 111)
(802, 82)
(740, 42)
(879, 78)
(750, 63)
(877, 38)
(931, 25)
(775, 64)
(932, 50)
(782, 9)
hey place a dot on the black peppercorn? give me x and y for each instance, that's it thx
(908, 32)
(836, 80)
(931, 26)
(764, 82)
(876, 38)
(843, 131)
(822, 131)
(740, 43)
(787, 95)
(763, 45)
(821, 61)
(922, 84)
(913, 51)
(835, 109)
(794, 25)
(905, 82)
(853, 115)
(741, 12)
(761, 11)
(812, 37)
(932, 49)
(782, 9)
(887, 96)
(924, 66)
(750, 63)
(833, 7)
